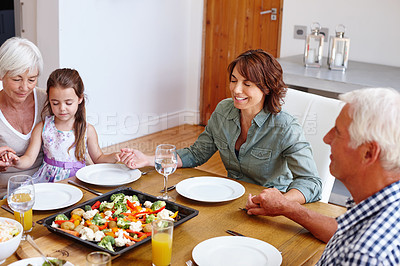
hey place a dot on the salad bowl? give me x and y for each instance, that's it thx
(8, 247)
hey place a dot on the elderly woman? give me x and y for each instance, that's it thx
(258, 142)
(21, 103)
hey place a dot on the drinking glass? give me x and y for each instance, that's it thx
(166, 162)
(161, 242)
(98, 258)
(21, 197)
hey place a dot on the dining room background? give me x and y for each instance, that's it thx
(141, 60)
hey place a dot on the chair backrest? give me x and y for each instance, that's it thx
(317, 115)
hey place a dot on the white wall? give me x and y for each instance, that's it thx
(139, 60)
(372, 26)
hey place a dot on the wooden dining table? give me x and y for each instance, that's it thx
(296, 244)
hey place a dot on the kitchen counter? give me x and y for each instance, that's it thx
(332, 82)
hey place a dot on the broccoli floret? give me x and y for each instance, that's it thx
(61, 217)
(119, 208)
(107, 242)
(87, 208)
(98, 220)
(106, 205)
(118, 215)
(121, 223)
(118, 197)
(150, 218)
(135, 198)
(157, 205)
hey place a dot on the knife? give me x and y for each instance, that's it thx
(86, 188)
(233, 233)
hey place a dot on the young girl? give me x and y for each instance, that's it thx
(65, 134)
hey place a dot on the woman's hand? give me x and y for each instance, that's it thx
(7, 158)
(135, 158)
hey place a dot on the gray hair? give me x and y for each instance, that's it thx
(376, 117)
(17, 55)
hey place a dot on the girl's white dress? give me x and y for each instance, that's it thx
(58, 163)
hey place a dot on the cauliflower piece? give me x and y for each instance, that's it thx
(108, 214)
(98, 236)
(147, 204)
(133, 199)
(89, 214)
(136, 226)
(121, 240)
(55, 225)
(87, 234)
(165, 214)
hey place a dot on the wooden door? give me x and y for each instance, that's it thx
(232, 27)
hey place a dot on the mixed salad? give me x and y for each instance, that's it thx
(8, 230)
(121, 221)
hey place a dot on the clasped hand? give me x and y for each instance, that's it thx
(270, 202)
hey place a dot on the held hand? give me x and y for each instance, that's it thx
(250, 204)
(5, 149)
(269, 202)
(7, 158)
(135, 158)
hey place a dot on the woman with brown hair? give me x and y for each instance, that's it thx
(257, 141)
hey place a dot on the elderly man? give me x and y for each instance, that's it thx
(365, 156)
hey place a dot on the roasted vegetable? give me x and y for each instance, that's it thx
(150, 218)
(62, 217)
(87, 208)
(78, 212)
(158, 205)
(107, 242)
(121, 223)
(106, 205)
(68, 225)
(118, 197)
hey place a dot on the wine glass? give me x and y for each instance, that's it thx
(166, 162)
(21, 196)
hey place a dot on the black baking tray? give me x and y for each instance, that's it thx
(184, 214)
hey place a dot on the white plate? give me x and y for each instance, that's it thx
(210, 189)
(37, 261)
(236, 250)
(51, 196)
(108, 174)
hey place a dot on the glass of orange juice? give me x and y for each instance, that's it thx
(161, 242)
(27, 220)
(20, 198)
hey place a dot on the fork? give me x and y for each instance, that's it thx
(189, 263)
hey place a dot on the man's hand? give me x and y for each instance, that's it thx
(269, 202)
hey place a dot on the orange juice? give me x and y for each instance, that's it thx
(23, 198)
(162, 249)
(27, 219)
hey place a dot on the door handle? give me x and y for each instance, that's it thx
(272, 11)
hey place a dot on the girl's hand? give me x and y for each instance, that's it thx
(134, 158)
(8, 159)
